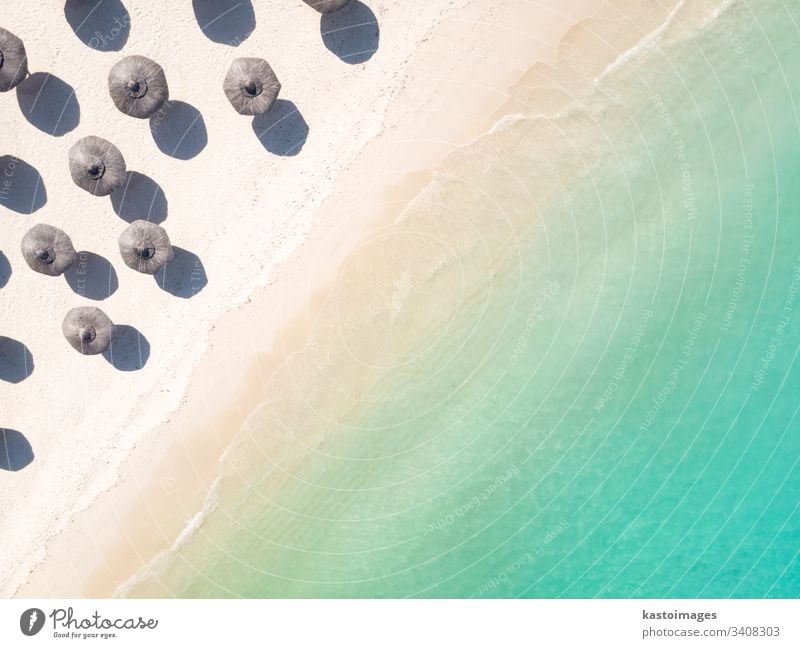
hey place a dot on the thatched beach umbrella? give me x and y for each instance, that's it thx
(88, 329)
(251, 86)
(327, 6)
(48, 250)
(97, 166)
(145, 247)
(13, 61)
(138, 86)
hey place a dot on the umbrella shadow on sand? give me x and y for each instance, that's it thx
(179, 130)
(5, 270)
(21, 186)
(183, 276)
(140, 198)
(15, 450)
(129, 349)
(49, 104)
(352, 33)
(92, 276)
(103, 25)
(282, 130)
(16, 361)
(229, 22)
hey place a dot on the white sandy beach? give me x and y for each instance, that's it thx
(124, 459)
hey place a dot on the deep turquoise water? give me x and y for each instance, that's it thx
(574, 371)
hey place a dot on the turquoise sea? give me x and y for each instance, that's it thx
(570, 371)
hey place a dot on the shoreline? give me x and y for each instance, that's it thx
(165, 480)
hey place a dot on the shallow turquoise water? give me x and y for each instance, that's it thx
(606, 401)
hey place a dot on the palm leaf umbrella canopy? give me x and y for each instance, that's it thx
(48, 250)
(138, 86)
(328, 6)
(88, 330)
(13, 61)
(97, 166)
(251, 86)
(145, 247)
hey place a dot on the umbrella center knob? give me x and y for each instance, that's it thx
(251, 87)
(137, 88)
(88, 335)
(46, 255)
(96, 169)
(146, 252)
